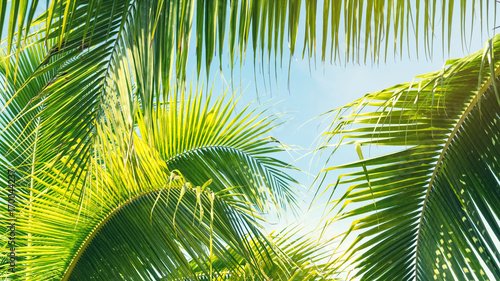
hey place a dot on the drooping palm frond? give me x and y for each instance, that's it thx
(427, 210)
(180, 223)
(202, 140)
(366, 25)
(156, 235)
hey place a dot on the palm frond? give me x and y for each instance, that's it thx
(427, 210)
(156, 235)
(86, 43)
(116, 200)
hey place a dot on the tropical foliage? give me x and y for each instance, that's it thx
(427, 209)
(131, 186)
(126, 171)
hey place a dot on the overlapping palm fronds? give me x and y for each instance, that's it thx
(369, 26)
(205, 142)
(85, 43)
(429, 209)
(129, 188)
(97, 131)
(73, 198)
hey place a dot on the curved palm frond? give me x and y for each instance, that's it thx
(157, 234)
(195, 222)
(181, 223)
(133, 147)
(205, 142)
(428, 211)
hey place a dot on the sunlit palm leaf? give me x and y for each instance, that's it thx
(195, 223)
(213, 142)
(428, 211)
(185, 225)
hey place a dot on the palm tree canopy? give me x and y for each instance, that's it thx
(82, 44)
(98, 122)
(427, 210)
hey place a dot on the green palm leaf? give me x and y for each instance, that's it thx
(231, 151)
(132, 175)
(428, 209)
(186, 224)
